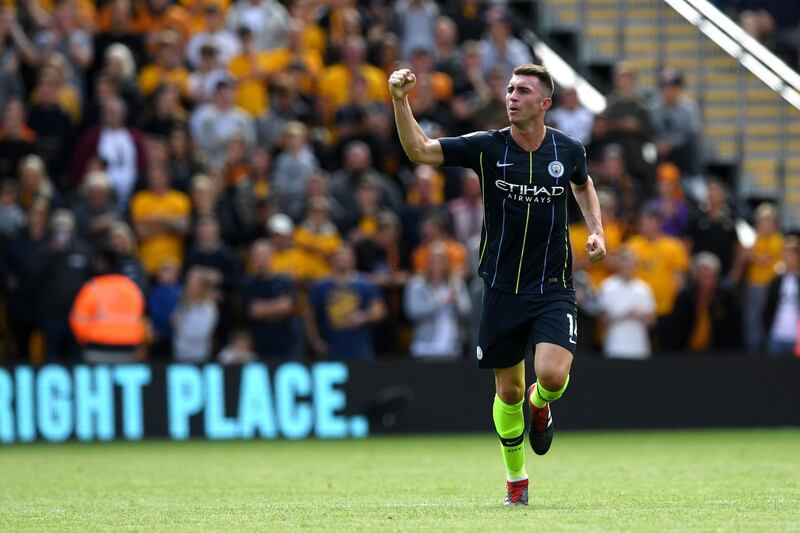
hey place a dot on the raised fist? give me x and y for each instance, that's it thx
(401, 82)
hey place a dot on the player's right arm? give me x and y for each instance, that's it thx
(418, 147)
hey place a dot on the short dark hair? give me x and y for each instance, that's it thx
(539, 72)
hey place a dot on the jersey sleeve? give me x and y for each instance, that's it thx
(465, 150)
(581, 173)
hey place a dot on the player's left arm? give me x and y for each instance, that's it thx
(586, 196)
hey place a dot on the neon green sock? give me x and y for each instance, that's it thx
(541, 396)
(510, 425)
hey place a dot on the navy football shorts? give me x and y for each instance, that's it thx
(512, 324)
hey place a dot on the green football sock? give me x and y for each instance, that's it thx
(510, 425)
(541, 396)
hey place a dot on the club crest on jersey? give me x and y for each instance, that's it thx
(555, 169)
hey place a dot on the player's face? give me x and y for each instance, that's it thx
(525, 99)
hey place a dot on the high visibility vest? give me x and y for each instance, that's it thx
(109, 311)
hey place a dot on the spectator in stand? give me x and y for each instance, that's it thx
(671, 202)
(293, 166)
(120, 146)
(268, 20)
(782, 307)
(423, 65)
(424, 197)
(629, 190)
(413, 21)
(215, 34)
(627, 309)
(470, 86)
(467, 210)
(706, 315)
(446, 52)
(335, 78)
(65, 267)
(661, 262)
(250, 68)
(51, 124)
(438, 303)
(120, 67)
(167, 68)
(571, 117)
(714, 230)
(13, 45)
(195, 318)
(286, 105)
(211, 252)
(203, 80)
(35, 184)
(166, 114)
(160, 216)
(357, 167)
(22, 258)
(16, 138)
(122, 241)
(343, 311)
(629, 120)
(470, 18)
(207, 202)
(433, 229)
(215, 124)
(155, 16)
(269, 303)
(761, 261)
(287, 259)
(64, 35)
(162, 300)
(433, 116)
(491, 109)
(318, 236)
(120, 28)
(183, 161)
(96, 211)
(500, 48)
(107, 317)
(677, 124)
(12, 217)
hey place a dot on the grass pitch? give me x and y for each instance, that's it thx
(627, 481)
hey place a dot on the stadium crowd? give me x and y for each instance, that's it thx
(222, 180)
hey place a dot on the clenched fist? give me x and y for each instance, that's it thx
(401, 82)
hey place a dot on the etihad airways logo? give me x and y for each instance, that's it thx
(532, 194)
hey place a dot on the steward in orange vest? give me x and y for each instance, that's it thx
(107, 317)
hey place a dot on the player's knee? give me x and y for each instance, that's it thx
(510, 392)
(554, 374)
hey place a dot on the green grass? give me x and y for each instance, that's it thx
(627, 481)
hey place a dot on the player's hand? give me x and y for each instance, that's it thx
(596, 247)
(401, 82)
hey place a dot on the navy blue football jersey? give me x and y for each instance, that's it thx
(525, 243)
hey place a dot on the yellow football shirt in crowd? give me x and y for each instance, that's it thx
(767, 252)
(579, 234)
(251, 92)
(335, 83)
(318, 247)
(153, 75)
(659, 262)
(172, 205)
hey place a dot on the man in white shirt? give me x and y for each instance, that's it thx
(572, 118)
(217, 123)
(627, 309)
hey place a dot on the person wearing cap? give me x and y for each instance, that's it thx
(662, 263)
(318, 237)
(216, 34)
(677, 125)
(288, 258)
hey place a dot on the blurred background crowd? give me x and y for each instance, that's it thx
(205, 179)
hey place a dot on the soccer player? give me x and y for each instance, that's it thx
(525, 261)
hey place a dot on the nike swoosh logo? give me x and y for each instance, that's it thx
(499, 164)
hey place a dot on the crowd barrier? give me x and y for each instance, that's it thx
(352, 400)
